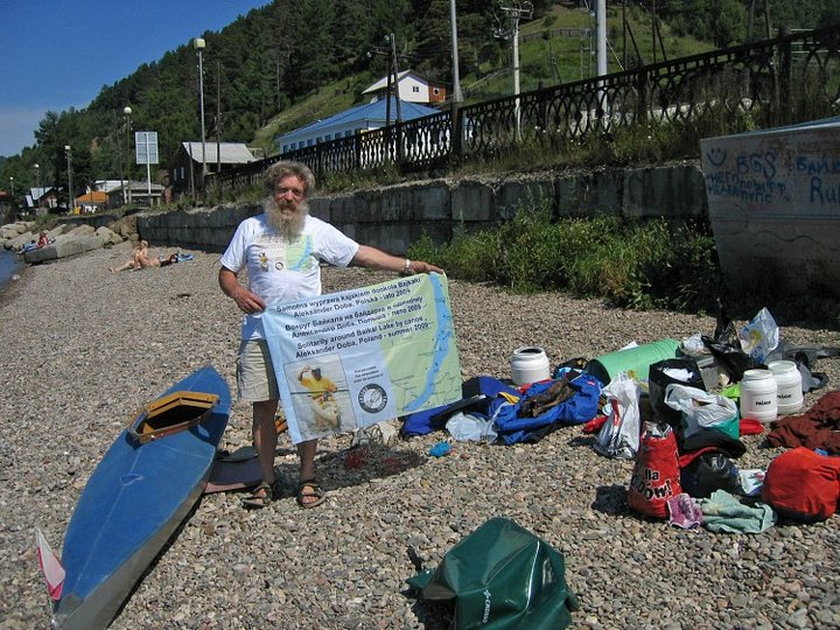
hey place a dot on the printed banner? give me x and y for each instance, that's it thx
(348, 360)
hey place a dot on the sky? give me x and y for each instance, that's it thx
(58, 54)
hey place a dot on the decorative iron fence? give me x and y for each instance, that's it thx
(774, 81)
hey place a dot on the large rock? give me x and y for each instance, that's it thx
(11, 230)
(126, 227)
(19, 241)
(63, 248)
(108, 237)
(80, 239)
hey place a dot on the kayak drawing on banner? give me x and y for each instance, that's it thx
(347, 360)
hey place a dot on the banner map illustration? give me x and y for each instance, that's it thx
(348, 360)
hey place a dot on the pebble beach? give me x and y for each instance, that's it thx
(86, 348)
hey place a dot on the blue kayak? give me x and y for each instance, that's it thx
(140, 492)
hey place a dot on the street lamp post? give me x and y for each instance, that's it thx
(199, 45)
(37, 168)
(69, 154)
(127, 184)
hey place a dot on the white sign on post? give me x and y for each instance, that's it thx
(146, 147)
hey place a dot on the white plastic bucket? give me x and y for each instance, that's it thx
(529, 364)
(788, 386)
(758, 396)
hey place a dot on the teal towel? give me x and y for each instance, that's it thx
(723, 512)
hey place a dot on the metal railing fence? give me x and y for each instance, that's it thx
(779, 81)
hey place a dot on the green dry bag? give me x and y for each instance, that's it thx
(501, 576)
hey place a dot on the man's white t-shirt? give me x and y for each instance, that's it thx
(279, 269)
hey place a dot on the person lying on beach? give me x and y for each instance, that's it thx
(141, 251)
(140, 259)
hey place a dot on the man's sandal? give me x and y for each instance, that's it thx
(310, 494)
(260, 497)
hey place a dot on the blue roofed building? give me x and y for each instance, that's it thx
(357, 119)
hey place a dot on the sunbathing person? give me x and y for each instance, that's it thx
(146, 262)
(141, 259)
(141, 251)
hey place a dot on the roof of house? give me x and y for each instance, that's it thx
(383, 82)
(107, 185)
(369, 112)
(231, 152)
(39, 192)
(138, 187)
(96, 196)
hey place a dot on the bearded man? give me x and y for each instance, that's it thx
(281, 250)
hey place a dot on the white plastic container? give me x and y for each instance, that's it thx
(529, 364)
(758, 396)
(788, 386)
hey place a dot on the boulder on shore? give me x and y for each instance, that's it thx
(80, 239)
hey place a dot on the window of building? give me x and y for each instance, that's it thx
(309, 142)
(348, 133)
(415, 89)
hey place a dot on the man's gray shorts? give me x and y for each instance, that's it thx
(254, 372)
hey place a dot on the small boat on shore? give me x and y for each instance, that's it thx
(143, 488)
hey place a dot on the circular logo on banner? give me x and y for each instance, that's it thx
(373, 398)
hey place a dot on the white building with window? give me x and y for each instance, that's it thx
(413, 89)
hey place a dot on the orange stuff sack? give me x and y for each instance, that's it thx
(656, 475)
(803, 485)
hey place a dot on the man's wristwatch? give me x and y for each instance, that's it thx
(407, 270)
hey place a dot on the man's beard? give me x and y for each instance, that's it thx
(289, 224)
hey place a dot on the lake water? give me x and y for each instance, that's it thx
(10, 264)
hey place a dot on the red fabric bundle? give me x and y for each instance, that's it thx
(803, 484)
(656, 475)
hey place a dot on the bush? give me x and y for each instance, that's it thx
(643, 264)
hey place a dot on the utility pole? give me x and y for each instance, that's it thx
(70, 200)
(396, 74)
(457, 96)
(516, 12)
(653, 28)
(388, 95)
(218, 123)
(624, 32)
(601, 38)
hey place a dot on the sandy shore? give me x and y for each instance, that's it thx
(86, 348)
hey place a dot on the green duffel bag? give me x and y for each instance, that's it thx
(501, 576)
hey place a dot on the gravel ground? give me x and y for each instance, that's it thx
(86, 348)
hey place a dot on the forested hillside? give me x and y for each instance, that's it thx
(275, 57)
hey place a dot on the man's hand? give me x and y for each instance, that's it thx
(421, 266)
(247, 301)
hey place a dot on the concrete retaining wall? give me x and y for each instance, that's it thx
(392, 218)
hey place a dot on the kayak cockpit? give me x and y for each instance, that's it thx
(170, 414)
